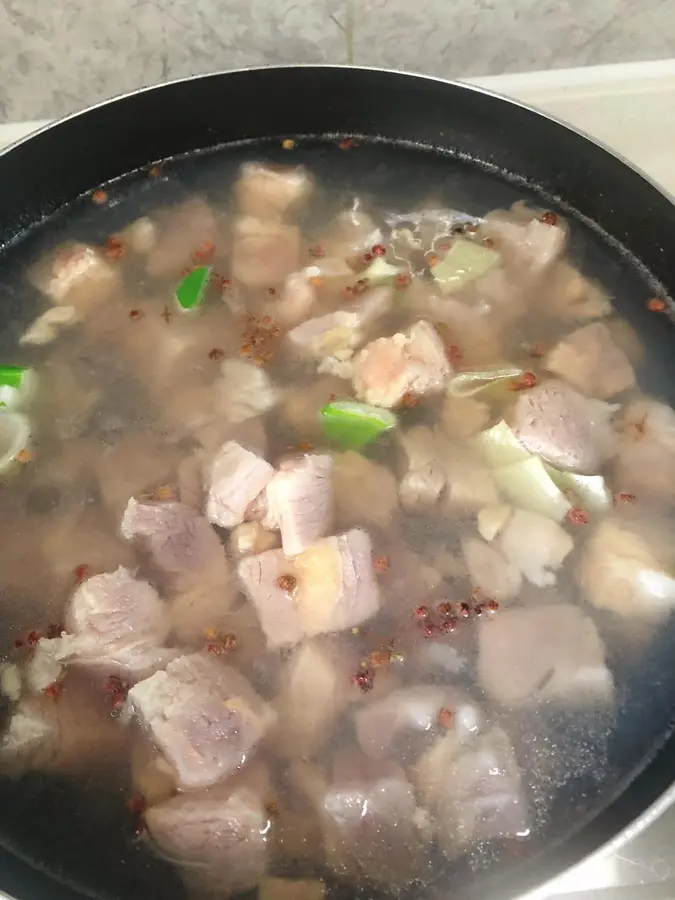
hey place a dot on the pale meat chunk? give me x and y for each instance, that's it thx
(244, 391)
(367, 810)
(64, 735)
(297, 299)
(180, 231)
(388, 368)
(474, 793)
(490, 570)
(218, 838)
(114, 623)
(403, 722)
(276, 607)
(337, 334)
(264, 253)
(290, 889)
(543, 653)
(181, 544)
(365, 491)
(313, 693)
(423, 478)
(462, 417)
(533, 245)
(203, 716)
(626, 568)
(591, 361)
(327, 588)
(645, 461)
(571, 296)
(189, 559)
(267, 192)
(78, 276)
(566, 429)
(536, 545)
(237, 477)
(300, 502)
(336, 583)
(469, 484)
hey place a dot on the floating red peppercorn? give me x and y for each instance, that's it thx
(464, 610)
(430, 629)
(99, 197)
(114, 248)
(367, 257)
(364, 679)
(135, 314)
(18, 643)
(577, 516)
(32, 638)
(656, 304)
(347, 143)
(623, 497)
(403, 280)
(80, 572)
(526, 381)
(422, 613)
(361, 286)
(378, 250)
(216, 354)
(449, 625)
(381, 564)
(445, 718)
(205, 253)
(549, 218)
(53, 690)
(287, 583)
(444, 609)
(409, 400)
(288, 144)
(492, 606)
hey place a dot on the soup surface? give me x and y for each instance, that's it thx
(335, 535)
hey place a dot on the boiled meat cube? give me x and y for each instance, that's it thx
(645, 462)
(268, 192)
(237, 477)
(490, 571)
(550, 652)
(47, 327)
(264, 253)
(536, 545)
(367, 810)
(627, 568)
(77, 276)
(566, 429)
(337, 334)
(244, 391)
(462, 417)
(67, 734)
(116, 623)
(590, 360)
(218, 838)
(469, 484)
(189, 559)
(473, 793)
(181, 231)
(297, 299)
(264, 578)
(314, 691)
(406, 719)
(181, 544)
(534, 244)
(336, 583)
(300, 502)
(329, 587)
(203, 716)
(365, 492)
(423, 480)
(388, 368)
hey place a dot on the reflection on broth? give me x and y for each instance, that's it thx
(319, 526)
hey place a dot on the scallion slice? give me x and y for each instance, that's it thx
(464, 262)
(17, 386)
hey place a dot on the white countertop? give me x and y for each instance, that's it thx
(630, 108)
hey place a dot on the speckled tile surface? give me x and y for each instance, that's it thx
(58, 55)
